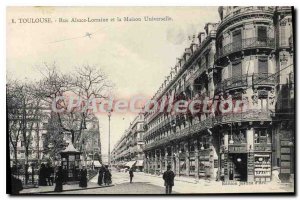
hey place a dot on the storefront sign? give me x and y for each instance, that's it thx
(262, 148)
(237, 149)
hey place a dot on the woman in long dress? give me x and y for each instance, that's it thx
(83, 178)
(59, 180)
(100, 177)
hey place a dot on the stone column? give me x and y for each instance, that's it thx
(196, 160)
(150, 162)
(177, 160)
(146, 163)
(166, 158)
(155, 161)
(187, 158)
(250, 159)
(160, 161)
(173, 157)
(226, 172)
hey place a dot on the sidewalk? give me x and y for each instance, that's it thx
(190, 185)
(67, 187)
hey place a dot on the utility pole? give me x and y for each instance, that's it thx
(108, 155)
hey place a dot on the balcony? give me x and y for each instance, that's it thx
(188, 130)
(239, 11)
(263, 79)
(233, 83)
(249, 115)
(244, 44)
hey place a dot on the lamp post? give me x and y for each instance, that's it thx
(108, 156)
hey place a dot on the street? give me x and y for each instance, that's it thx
(122, 186)
(150, 184)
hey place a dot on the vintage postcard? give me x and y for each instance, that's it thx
(150, 100)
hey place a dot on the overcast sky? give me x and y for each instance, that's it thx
(135, 55)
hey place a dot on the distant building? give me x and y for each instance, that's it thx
(129, 149)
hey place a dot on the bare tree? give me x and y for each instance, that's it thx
(87, 83)
(24, 114)
(14, 107)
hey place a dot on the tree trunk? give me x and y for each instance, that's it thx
(16, 156)
(73, 136)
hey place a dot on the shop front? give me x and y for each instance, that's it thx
(246, 155)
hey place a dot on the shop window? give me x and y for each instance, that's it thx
(192, 166)
(262, 136)
(239, 137)
(192, 148)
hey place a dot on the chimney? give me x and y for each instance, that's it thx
(193, 46)
(210, 28)
(180, 62)
(187, 54)
(201, 37)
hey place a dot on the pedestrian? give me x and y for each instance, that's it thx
(83, 178)
(59, 177)
(16, 185)
(101, 173)
(43, 175)
(131, 174)
(168, 177)
(50, 173)
(107, 176)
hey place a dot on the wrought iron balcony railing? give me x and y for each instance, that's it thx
(249, 115)
(247, 43)
(264, 79)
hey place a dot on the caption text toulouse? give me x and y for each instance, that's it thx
(91, 20)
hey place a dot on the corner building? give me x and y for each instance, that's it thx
(247, 56)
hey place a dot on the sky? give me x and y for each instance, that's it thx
(136, 56)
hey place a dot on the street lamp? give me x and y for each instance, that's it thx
(109, 115)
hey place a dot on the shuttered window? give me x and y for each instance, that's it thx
(262, 33)
(263, 65)
(283, 36)
(236, 69)
(236, 39)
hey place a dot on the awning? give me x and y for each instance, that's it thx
(130, 163)
(261, 155)
(139, 163)
(97, 163)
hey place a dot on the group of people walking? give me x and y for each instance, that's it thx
(46, 177)
(104, 176)
(59, 179)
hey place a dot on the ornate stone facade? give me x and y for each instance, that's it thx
(247, 56)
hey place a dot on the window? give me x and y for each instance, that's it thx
(262, 34)
(236, 69)
(236, 40)
(206, 59)
(262, 136)
(262, 65)
(283, 37)
(220, 44)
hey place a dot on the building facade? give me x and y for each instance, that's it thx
(129, 149)
(248, 56)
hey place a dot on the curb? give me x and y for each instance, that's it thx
(77, 189)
